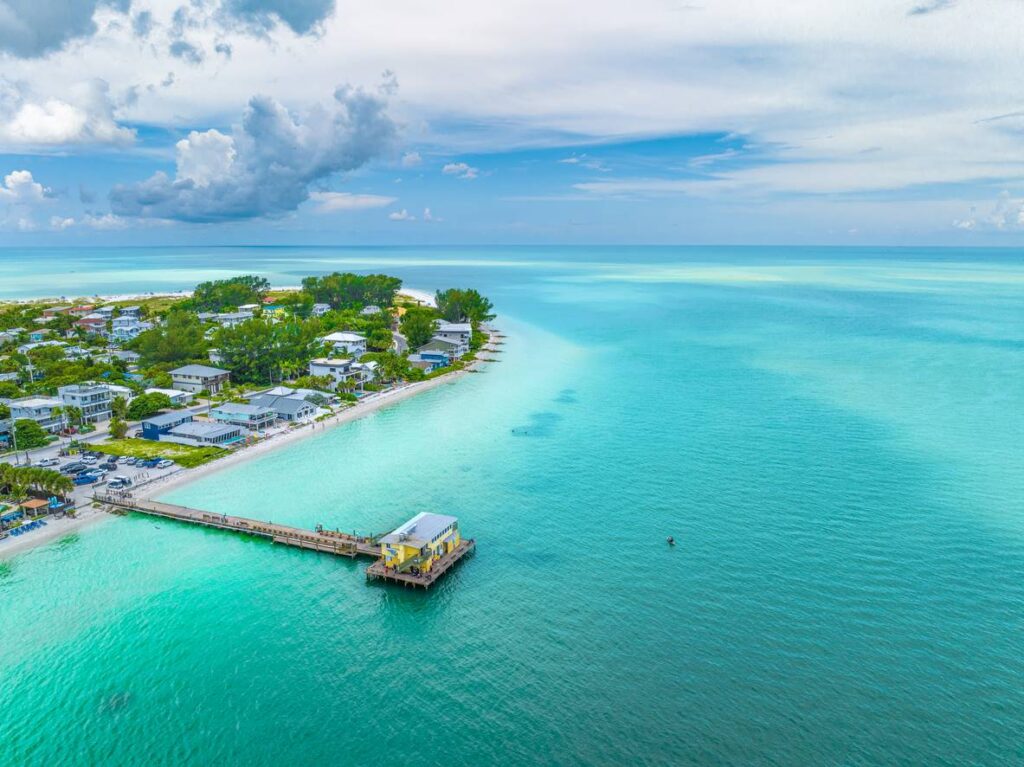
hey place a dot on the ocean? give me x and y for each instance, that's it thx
(834, 437)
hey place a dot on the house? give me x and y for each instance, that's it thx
(250, 417)
(349, 344)
(36, 336)
(81, 311)
(92, 398)
(159, 425)
(126, 356)
(420, 542)
(107, 312)
(369, 311)
(116, 390)
(12, 376)
(53, 311)
(251, 308)
(310, 395)
(176, 396)
(337, 369)
(319, 310)
(366, 371)
(458, 333)
(26, 348)
(9, 336)
(428, 362)
(232, 319)
(197, 378)
(290, 408)
(215, 356)
(92, 323)
(438, 349)
(203, 433)
(38, 409)
(124, 328)
(130, 311)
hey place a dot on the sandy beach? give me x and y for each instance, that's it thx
(415, 294)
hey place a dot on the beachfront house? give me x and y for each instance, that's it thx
(159, 425)
(95, 324)
(176, 396)
(107, 312)
(289, 407)
(420, 542)
(319, 310)
(92, 398)
(439, 349)
(81, 311)
(458, 333)
(428, 362)
(38, 409)
(130, 311)
(197, 378)
(249, 417)
(346, 343)
(203, 433)
(338, 370)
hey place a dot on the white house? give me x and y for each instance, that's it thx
(92, 398)
(176, 396)
(337, 369)
(288, 407)
(368, 311)
(38, 409)
(126, 327)
(130, 311)
(349, 344)
(458, 333)
(204, 433)
(25, 348)
(197, 378)
(116, 390)
(319, 310)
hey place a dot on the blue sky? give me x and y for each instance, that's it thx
(264, 121)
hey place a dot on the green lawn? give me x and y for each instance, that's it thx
(184, 455)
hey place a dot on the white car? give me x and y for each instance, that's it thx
(164, 464)
(49, 462)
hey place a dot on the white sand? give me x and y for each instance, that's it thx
(55, 528)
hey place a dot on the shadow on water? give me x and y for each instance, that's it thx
(566, 397)
(540, 425)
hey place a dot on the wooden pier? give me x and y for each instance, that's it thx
(378, 570)
(325, 541)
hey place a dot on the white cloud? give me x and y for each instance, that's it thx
(329, 202)
(106, 221)
(84, 114)
(205, 157)
(60, 223)
(428, 216)
(460, 170)
(1005, 214)
(411, 159)
(19, 188)
(401, 215)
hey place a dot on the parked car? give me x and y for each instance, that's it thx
(90, 459)
(130, 461)
(119, 482)
(109, 465)
(165, 463)
(49, 462)
(148, 463)
(72, 468)
(85, 478)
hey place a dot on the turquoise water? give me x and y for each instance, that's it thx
(834, 437)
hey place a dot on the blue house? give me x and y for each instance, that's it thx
(153, 427)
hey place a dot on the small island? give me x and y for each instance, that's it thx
(128, 395)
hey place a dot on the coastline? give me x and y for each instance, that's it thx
(87, 515)
(415, 294)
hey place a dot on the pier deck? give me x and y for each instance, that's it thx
(326, 541)
(424, 580)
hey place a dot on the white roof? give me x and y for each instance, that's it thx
(36, 402)
(169, 392)
(334, 362)
(344, 337)
(454, 327)
(420, 529)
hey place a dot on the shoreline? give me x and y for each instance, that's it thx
(415, 294)
(87, 515)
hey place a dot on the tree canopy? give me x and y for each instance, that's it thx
(258, 351)
(352, 291)
(28, 434)
(218, 295)
(458, 304)
(146, 405)
(418, 325)
(180, 339)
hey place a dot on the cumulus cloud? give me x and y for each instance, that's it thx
(460, 170)
(329, 202)
(83, 115)
(266, 165)
(60, 223)
(401, 215)
(19, 188)
(30, 28)
(428, 216)
(411, 159)
(104, 221)
(1005, 215)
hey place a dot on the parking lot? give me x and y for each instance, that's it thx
(49, 458)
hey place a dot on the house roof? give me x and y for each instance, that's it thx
(454, 327)
(204, 429)
(420, 529)
(168, 419)
(331, 361)
(344, 337)
(236, 408)
(172, 393)
(201, 371)
(439, 345)
(34, 503)
(292, 404)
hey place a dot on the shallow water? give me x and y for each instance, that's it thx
(834, 438)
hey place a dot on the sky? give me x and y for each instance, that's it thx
(133, 122)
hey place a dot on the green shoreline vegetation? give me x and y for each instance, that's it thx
(263, 336)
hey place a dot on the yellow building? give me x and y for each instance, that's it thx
(420, 542)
